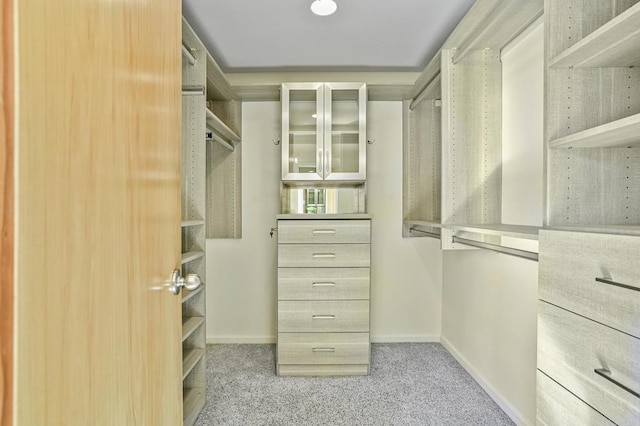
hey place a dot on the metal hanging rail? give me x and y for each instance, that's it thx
(213, 136)
(191, 91)
(186, 52)
(425, 92)
(426, 233)
(524, 254)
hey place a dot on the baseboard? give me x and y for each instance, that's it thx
(506, 406)
(421, 338)
(253, 340)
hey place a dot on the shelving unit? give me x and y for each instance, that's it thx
(593, 113)
(452, 156)
(191, 255)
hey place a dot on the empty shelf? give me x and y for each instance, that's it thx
(615, 44)
(190, 359)
(189, 325)
(188, 294)
(221, 128)
(186, 223)
(191, 255)
(193, 403)
(502, 230)
(621, 133)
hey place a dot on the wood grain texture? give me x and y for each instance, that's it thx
(324, 232)
(323, 283)
(324, 255)
(323, 348)
(558, 406)
(348, 316)
(570, 347)
(7, 243)
(619, 133)
(569, 264)
(323, 370)
(98, 213)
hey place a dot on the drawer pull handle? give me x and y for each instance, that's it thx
(323, 349)
(323, 255)
(323, 317)
(603, 372)
(321, 284)
(324, 231)
(608, 281)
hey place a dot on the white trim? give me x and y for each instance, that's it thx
(254, 340)
(503, 402)
(420, 338)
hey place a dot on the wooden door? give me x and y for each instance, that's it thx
(97, 212)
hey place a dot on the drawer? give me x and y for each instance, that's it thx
(569, 264)
(571, 348)
(323, 316)
(323, 255)
(557, 406)
(324, 231)
(323, 283)
(323, 348)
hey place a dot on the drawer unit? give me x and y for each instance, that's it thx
(593, 275)
(323, 316)
(598, 364)
(323, 255)
(324, 231)
(557, 406)
(323, 348)
(323, 297)
(323, 284)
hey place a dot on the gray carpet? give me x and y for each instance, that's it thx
(410, 384)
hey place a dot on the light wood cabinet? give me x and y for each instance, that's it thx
(323, 296)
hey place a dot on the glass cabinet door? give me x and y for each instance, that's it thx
(345, 139)
(302, 131)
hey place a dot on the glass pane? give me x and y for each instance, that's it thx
(348, 199)
(345, 136)
(302, 131)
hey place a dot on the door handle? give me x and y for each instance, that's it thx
(190, 282)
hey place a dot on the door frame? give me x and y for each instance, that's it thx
(6, 213)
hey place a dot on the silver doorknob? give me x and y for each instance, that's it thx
(190, 282)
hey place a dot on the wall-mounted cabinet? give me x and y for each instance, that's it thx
(324, 131)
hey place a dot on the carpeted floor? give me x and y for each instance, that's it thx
(410, 384)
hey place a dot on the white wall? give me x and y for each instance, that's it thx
(406, 274)
(489, 299)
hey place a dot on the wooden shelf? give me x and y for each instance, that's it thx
(615, 44)
(190, 359)
(187, 223)
(217, 125)
(191, 255)
(600, 229)
(425, 223)
(193, 402)
(188, 294)
(189, 325)
(620, 133)
(501, 230)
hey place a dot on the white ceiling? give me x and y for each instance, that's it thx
(363, 35)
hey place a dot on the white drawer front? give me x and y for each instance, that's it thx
(570, 262)
(571, 348)
(556, 406)
(323, 316)
(324, 231)
(323, 348)
(323, 283)
(323, 255)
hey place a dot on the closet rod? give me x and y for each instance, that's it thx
(424, 92)
(188, 55)
(494, 247)
(190, 91)
(213, 136)
(428, 234)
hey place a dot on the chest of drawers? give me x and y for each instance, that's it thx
(323, 297)
(589, 328)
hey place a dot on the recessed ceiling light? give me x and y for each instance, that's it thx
(324, 7)
(314, 115)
